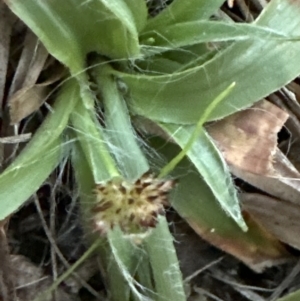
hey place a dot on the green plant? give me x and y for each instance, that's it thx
(162, 69)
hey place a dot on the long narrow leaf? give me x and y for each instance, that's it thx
(119, 131)
(137, 9)
(207, 159)
(181, 11)
(163, 259)
(38, 159)
(295, 296)
(181, 97)
(190, 33)
(19, 183)
(196, 203)
(71, 28)
(117, 284)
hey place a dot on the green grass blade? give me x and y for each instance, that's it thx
(118, 254)
(295, 296)
(114, 278)
(46, 20)
(165, 266)
(38, 159)
(212, 167)
(130, 11)
(196, 203)
(144, 274)
(125, 259)
(91, 138)
(119, 131)
(17, 184)
(207, 160)
(190, 33)
(71, 28)
(182, 11)
(198, 130)
(181, 97)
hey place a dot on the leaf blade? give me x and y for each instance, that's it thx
(194, 32)
(211, 166)
(180, 11)
(181, 97)
(54, 22)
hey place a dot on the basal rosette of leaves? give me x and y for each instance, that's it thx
(160, 68)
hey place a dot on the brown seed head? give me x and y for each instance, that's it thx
(134, 207)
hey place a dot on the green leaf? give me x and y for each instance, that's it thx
(144, 274)
(176, 60)
(158, 66)
(117, 284)
(133, 164)
(295, 296)
(259, 67)
(119, 131)
(196, 132)
(190, 33)
(91, 138)
(183, 11)
(211, 166)
(195, 202)
(72, 28)
(40, 156)
(20, 182)
(164, 262)
(138, 10)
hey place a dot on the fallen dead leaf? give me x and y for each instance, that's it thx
(248, 139)
(30, 64)
(25, 96)
(262, 252)
(283, 183)
(281, 218)
(31, 281)
(29, 99)
(26, 101)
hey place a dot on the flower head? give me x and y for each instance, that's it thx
(134, 207)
